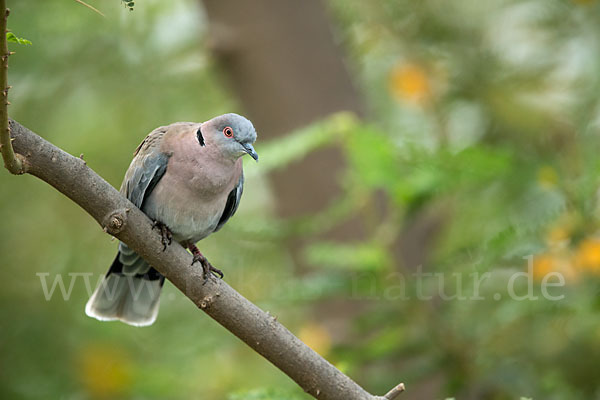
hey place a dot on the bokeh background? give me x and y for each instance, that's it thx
(396, 137)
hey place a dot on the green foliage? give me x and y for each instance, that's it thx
(480, 149)
(12, 38)
(129, 4)
(298, 144)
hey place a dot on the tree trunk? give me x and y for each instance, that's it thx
(282, 61)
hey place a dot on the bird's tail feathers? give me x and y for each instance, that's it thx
(130, 298)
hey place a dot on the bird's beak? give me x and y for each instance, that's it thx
(250, 150)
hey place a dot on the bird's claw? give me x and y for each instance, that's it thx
(207, 267)
(166, 237)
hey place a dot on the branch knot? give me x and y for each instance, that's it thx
(115, 222)
(206, 302)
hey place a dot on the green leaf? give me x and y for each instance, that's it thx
(373, 156)
(129, 4)
(12, 38)
(296, 145)
(350, 256)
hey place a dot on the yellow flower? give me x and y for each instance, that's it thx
(545, 263)
(542, 265)
(105, 371)
(410, 82)
(587, 256)
(316, 337)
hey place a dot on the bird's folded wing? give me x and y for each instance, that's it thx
(233, 201)
(147, 168)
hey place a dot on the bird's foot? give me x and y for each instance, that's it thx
(166, 237)
(207, 268)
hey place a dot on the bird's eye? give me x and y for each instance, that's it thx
(227, 131)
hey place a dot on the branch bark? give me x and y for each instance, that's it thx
(120, 218)
(394, 392)
(11, 161)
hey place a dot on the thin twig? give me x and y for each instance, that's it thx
(90, 7)
(392, 394)
(11, 161)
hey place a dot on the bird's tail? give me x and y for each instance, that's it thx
(127, 295)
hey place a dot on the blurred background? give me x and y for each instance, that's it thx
(397, 139)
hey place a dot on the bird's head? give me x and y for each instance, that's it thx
(233, 134)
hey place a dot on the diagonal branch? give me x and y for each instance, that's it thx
(120, 218)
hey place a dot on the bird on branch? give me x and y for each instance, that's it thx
(188, 178)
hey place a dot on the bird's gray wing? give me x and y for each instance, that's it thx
(147, 168)
(233, 201)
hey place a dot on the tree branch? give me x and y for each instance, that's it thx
(11, 161)
(395, 392)
(90, 7)
(120, 218)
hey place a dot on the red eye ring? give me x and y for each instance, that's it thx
(227, 131)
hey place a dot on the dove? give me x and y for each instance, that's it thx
(188, 178)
